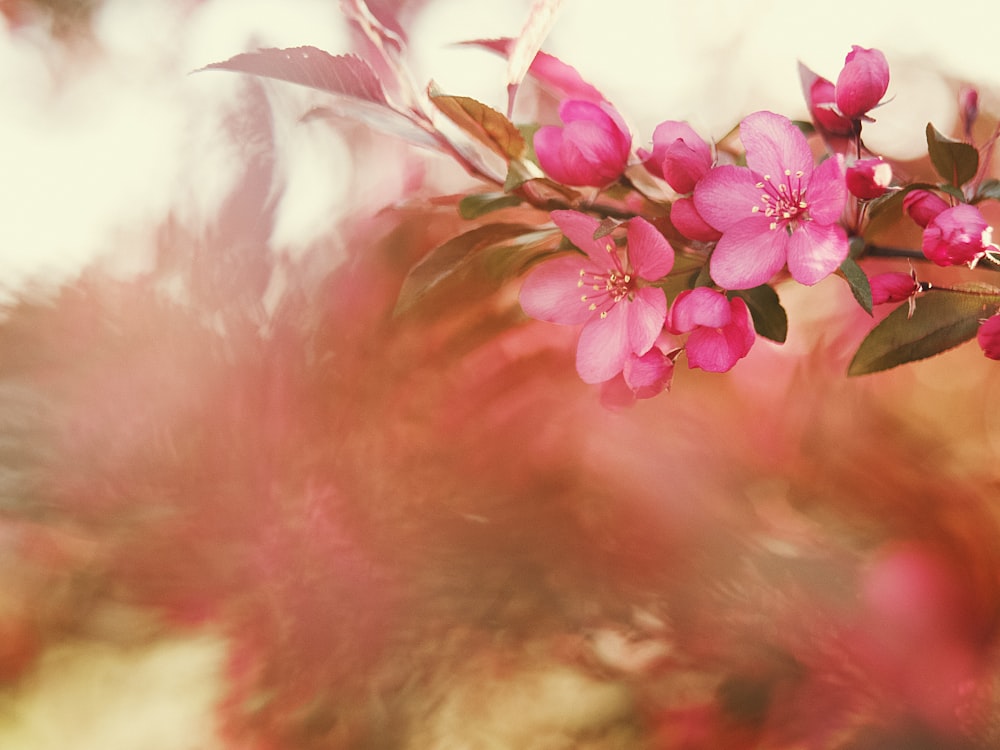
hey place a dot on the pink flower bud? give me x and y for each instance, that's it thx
(686, 219)
(862, 82)
(892, 287)
(968, 108)
(988, 337)
(922, 206)
(956, 236)
(869, 178)
(822, 107)
(680, 156)
(591, 149)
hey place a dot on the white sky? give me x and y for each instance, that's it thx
(97, 147)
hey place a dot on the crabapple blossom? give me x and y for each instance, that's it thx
(956, 236)
(869, 178)
(622, 314)
(894, 286)
(778, 209)
(862, 82)
(591, 149)
(988, 337)
(721, 329)
(922, 206)
(680, 156)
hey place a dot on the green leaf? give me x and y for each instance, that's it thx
(769, 318)
(474, 206)
(955, 161)
(989, 189)
(454, 260)
(861, 288)
(942, 319)
(481, 122)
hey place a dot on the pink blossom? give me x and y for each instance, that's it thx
(894, 286)
(988, 337)
(862, 82)
(956, 236)
(821, 96)
(778, 209)
(591, 149)
(869, 178)
(680, 156)
(721, 329)
(621, 315)
(922, 206)
(686, 219)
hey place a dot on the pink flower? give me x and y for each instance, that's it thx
(956, 236)
(591, 149)
(621, 315)
(776, 210)
(862, 82)
(922, 206)
(894, 286)
(869, 178)
(680, 156)
(721, 329)
(686, 219)
(988, 337)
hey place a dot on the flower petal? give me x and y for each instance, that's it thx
(815, 251)
(726, 195)
(650, 254)
(748, 254)
(548, 142)
(579, 229)
(699, 307)
(686, 220)
(646, 315)
(862, 82)
(827, 191)
(773, 145)
(649, 374)
(603, 346)
(551, 292)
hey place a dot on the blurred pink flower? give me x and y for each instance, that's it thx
(680, 156)
(988, 337)
(862, 82)
(922, 206)
(621, 316)
(776, 210)
(721, 329)
(869, 178)
(592, 148)
(894, 286)
(957, 236)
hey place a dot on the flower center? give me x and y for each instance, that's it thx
(605, 289)
(783, 201)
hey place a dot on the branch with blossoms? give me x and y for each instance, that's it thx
(679, 249)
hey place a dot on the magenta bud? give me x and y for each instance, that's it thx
(680, 156)
(957, 236)
(922, 206)
(592, 148)
(862, 82)
(869, 178)
(968, 107)
(988, 337)
(892, 287)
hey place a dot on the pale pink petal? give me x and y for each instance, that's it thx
(699, 307)
(815, 251)
(650, 254)
(646, 315)
(726, 195)
(649, 374)
(551, 291)
(773, 145)
(748, 254)
(603, 346)
(827, 191)
(686, 220)
(579, 229)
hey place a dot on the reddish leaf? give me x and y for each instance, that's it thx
(562, 79)
(523, 51)
(482, 123)
(345, 75)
